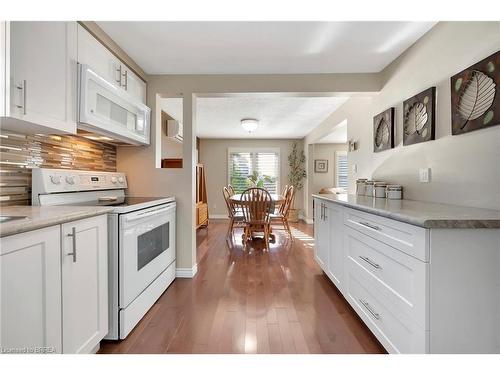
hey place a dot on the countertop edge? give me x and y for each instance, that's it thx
(23, 227)
(420, 222)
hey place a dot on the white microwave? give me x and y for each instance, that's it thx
(106, 109)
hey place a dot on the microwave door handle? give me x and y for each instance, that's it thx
(142, 215)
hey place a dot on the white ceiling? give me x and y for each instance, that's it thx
(263, 47)
(279, 117)
(337, 135)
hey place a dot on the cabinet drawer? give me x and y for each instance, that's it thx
(400, 278)
(410, 239)
(397, 334)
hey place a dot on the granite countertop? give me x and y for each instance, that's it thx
(422, 214)
(44, 216)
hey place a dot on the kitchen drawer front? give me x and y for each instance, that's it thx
(410, 239)
(396, 334)
(400, 278)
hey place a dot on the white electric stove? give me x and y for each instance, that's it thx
(141, 237)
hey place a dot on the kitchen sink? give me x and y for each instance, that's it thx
(7, 218)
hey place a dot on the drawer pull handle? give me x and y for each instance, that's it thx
(73, 236)
(370, 309)
(370, 262)
(364, 223)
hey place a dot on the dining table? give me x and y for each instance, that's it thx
(277, 200)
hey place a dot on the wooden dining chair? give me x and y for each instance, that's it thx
(282, 215)
(256, 205)
(235, 214)
(231, 189)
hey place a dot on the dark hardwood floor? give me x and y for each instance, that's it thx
(251, 302)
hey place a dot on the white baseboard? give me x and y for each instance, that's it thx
(186, 273)
(217, 216)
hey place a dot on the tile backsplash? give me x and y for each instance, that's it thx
(20, 153)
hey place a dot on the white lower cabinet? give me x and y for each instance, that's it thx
(54, 288)
(418, 290)
(30, 269)
(84, 284)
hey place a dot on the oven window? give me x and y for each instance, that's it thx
(151, 244)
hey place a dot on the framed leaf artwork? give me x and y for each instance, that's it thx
(383, 130)
(475, 101)
(419, 114)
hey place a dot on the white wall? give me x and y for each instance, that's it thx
(465, 168)
(213, 154)
(324, 151)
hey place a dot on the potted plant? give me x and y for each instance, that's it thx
(296, 161)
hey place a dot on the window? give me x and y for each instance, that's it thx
(249, 166)
(341, 169)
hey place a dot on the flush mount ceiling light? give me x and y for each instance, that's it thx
(249, 124)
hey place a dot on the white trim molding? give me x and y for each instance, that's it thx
(186, 273)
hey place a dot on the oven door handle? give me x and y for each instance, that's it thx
(143, 214)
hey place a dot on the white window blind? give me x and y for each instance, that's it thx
(341, 169)
(249, 167)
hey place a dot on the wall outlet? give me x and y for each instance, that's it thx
(425, 175)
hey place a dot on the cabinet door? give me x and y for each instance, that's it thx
(94, 54)
(43, 74)
(134, 85)
(30, 288)
(84, 284)
(336, 244)
(321, 234)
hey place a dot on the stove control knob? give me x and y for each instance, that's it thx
(114, 180)
(56, 179)
(121, 180)
(70, 180)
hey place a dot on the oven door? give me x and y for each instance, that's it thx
(146, 249)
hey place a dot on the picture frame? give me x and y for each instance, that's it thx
(383, 130)
(320, 166)
(475, 101)
(419, 117)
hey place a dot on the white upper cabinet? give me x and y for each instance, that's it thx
(84, 284)
(107, 65)
(30, 291)
(39, 76)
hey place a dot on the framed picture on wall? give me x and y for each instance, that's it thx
(320, 166)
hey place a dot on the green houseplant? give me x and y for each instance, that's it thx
(296, 176)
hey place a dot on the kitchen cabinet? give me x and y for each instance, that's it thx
(321, 233)
(30, 269)
(84, 284)
(54, 288)
(39, 77)
(107, 65)
(328, 231)
(419, 289)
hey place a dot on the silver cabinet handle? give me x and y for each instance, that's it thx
(125, 74)
(73, 235)
(324, 215)
(322, 211)
(370, 262)
(23, 88)
(119, 79)
(370, 309)
(364, 223)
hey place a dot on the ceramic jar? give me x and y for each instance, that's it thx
(394, 192)
(369, 188)
(379, 189)
(360, 186)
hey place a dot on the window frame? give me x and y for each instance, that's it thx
(337, 154)
(253, 151)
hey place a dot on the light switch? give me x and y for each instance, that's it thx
(354, 168)
(425, 175)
